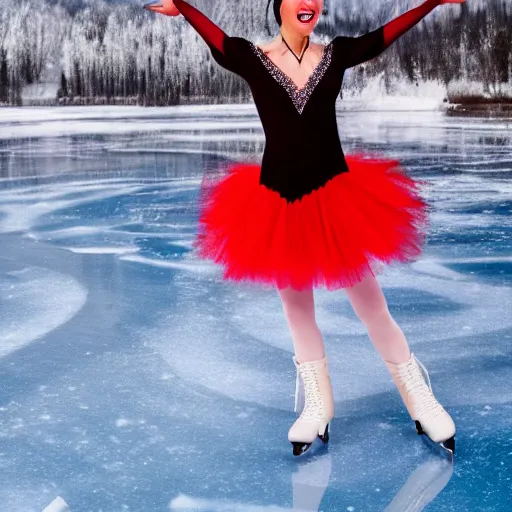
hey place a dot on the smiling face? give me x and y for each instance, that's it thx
(301, 15)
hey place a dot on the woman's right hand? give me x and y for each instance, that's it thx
(166, 7)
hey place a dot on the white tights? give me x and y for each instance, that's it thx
(368, 303)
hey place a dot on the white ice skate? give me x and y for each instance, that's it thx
(413, 383)
(57, 505)
(314, 400)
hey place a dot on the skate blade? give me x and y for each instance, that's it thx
(446, 448)
(300, 448)
(325, 436)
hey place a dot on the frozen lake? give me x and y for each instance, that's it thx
(133, 379)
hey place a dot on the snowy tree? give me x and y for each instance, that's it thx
(108, 52)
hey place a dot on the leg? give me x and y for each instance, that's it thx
(299, 309)
(369, 304)
(313, 383)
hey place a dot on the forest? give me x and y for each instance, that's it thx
(100, 52)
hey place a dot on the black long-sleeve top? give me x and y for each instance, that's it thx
(302, 149)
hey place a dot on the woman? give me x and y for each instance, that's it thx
(311, 217)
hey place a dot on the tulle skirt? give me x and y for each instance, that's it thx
(333, 237)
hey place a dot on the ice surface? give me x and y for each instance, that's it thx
(34, 301)
(132, 378)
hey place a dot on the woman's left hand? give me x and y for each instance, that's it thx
(166, 7)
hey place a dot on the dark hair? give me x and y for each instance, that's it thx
(277, 13)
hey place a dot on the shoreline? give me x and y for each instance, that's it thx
(481, 107)
(494, 109)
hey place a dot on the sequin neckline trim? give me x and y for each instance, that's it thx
(298, 96)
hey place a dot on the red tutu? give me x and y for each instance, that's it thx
(331, 237)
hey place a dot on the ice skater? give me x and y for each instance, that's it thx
(310, 216)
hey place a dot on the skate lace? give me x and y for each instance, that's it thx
(313, 397)
(415, 383)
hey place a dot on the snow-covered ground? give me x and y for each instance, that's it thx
(132, 378)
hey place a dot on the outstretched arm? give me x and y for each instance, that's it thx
(373, 43)
(398, 26)
(209, 31)
(214, 36)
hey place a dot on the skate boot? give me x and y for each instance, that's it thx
(413, 383)
(314, 400)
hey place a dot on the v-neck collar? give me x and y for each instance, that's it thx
(298, 95)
